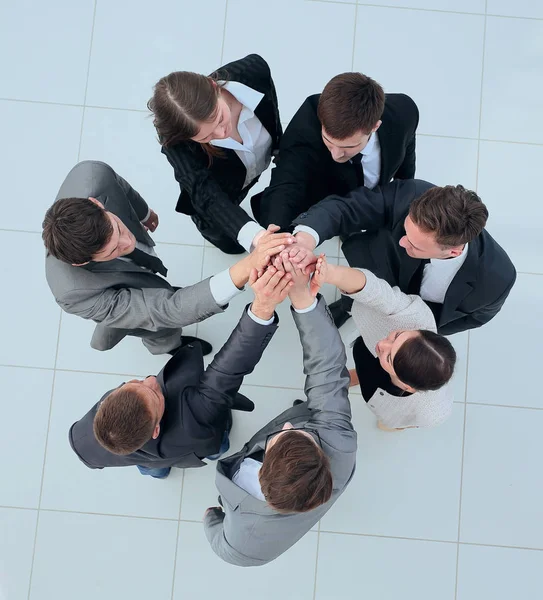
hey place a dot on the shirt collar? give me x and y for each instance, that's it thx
(246, 95)
(370, 146)
(451, 261)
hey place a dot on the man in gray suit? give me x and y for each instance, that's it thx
(183, 415)
(293, 470)
(101, 264)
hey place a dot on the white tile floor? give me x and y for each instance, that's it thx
(452, 513)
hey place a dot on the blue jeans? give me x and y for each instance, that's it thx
(161, 473)
(225, 446)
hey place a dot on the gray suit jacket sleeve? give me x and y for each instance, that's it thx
(146, 308)
(236, 359)
(327, 377)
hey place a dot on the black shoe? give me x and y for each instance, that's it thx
(207, 348)
(339, 314)
(296, 402)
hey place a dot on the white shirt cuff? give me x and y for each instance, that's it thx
(146, 216)
(306, 229)
(222, 288)
(258, 319)
(308, 309)
(247, 234)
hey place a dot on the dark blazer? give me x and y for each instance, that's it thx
(198, 404)
(215, 191)
(479, 289)
(307, 173)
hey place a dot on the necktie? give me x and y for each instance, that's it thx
(357, 163)
(153, 263)
(416, 279)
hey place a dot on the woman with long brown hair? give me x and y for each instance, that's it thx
(219, 133)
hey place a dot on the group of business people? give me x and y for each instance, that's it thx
(422, 266)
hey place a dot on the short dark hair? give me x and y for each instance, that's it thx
(350, 102)
(295, 476)
(123, 422)
(456, 215)
(425, 362)
(75, 229)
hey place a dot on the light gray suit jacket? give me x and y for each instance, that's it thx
(120, 296)
(251, 533)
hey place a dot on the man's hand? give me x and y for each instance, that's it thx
(302, 257)
(212, 508)
(152, 222)
(299, 294)
(270, 287)
(266, 245)
(319, 276)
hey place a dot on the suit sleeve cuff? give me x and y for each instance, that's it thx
(222, 288)
(309, 230)
(146, 216)
(258, 319)
(301, 311)
(247, 234)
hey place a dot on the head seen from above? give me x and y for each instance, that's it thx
(295, 476)
(350, 110)
(442, 221)
(80, 230)
(189, 106)
(417, 360)
(130, 416)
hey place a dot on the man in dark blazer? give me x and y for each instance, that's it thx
(427, 240)
(212, 190)
(183, 415)
(348, 136)
(101, 265)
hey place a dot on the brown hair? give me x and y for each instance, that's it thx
(74, 229)
(181, 101)
(295, 476)
(123, 422)
(456, 215)
(426, 361)
(350, 103)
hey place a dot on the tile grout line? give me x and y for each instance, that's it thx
(58, 339)
(354, 35)
(177, 535)
(462, 469)
(224, 29)
(481, 101)
(317, 562)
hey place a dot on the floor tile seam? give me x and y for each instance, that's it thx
(316, 564)
(106, 514)
(354, 47)
(175, 557)
(430, 540)
(224, 30)
(481, 89)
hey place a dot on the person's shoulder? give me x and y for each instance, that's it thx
(401, 107)
(493, 261)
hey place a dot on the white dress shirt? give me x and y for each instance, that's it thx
(255, 149)
(438, 275)
(246, 477)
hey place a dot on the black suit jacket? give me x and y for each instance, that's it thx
(306, 172)
(478, 290)
(198, 404)
(215, 192)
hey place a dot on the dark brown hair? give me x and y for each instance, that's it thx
(181, 101)
(295, 476)
(123, 422)
(350, 103)
(456, 215)
(75, 229)
(425, 362)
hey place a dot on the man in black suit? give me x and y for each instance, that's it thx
(427, 240)
(183, 414)
(348, 136)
